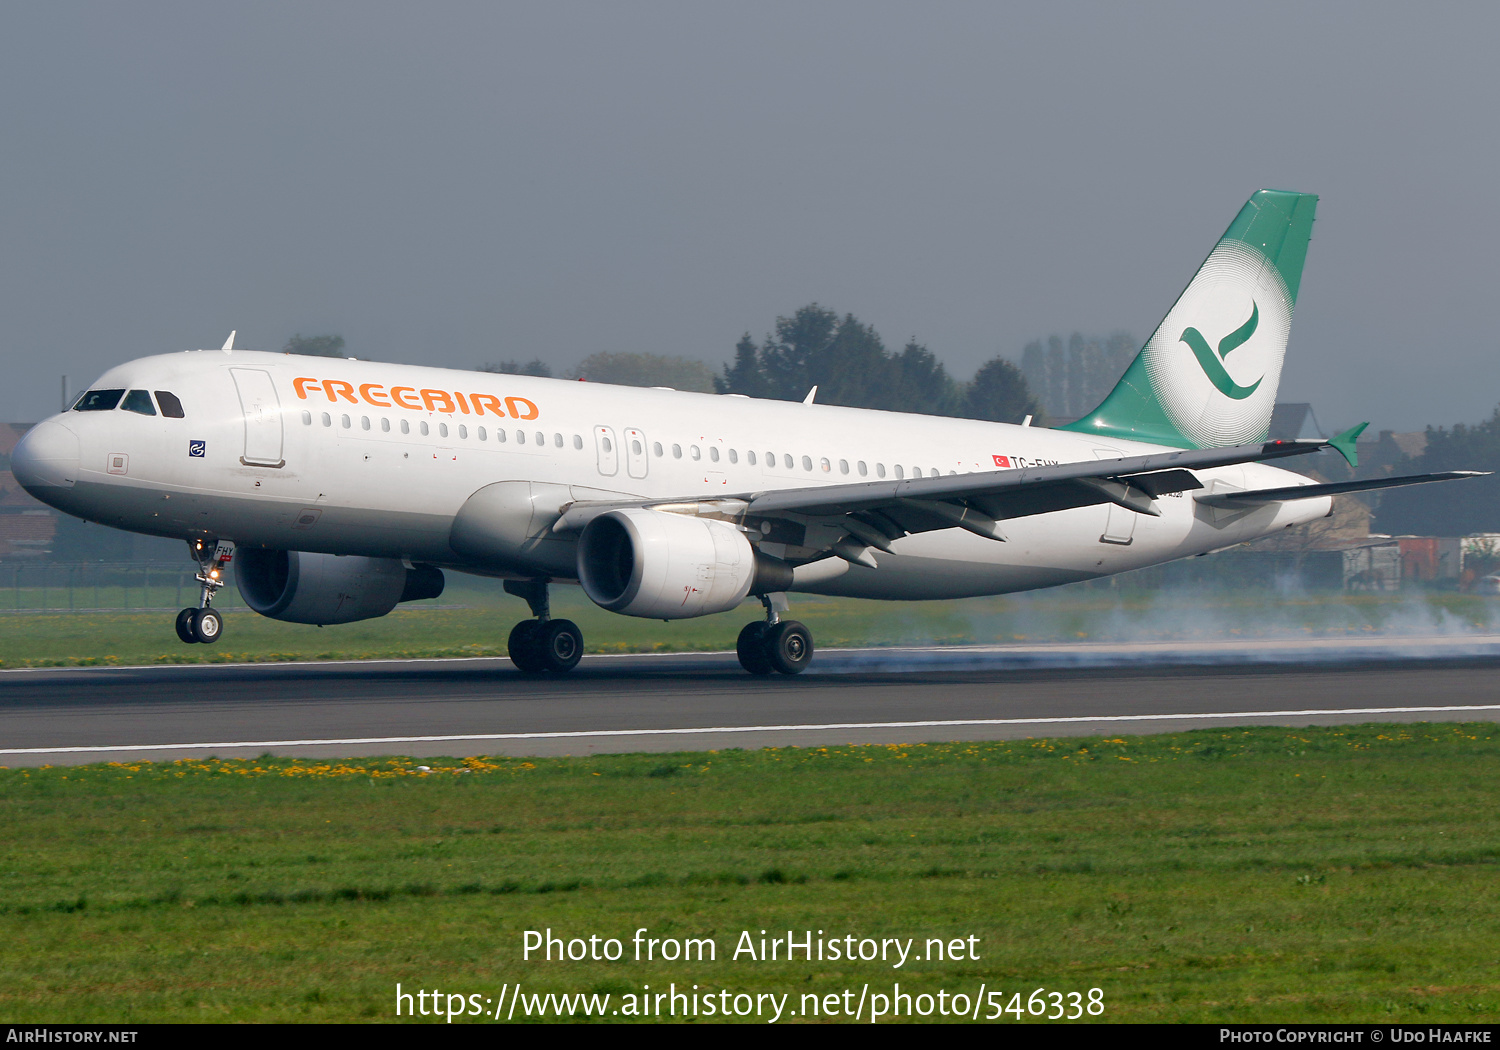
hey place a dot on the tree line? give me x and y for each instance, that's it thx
(849, 363)
(842, 356)
(1070, 378)
(1456, 508)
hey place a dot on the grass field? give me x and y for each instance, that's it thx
(1235, 875)
(474, 618)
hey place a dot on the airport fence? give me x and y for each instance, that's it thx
(34, 586)
(53, 587)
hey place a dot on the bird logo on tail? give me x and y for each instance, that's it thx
(1217, 375)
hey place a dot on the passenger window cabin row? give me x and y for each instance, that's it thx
(346, 422)
(787, 462)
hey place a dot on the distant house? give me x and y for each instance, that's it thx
(1294, 421)
(1383, 454)
(1430, 559)
(1379, 454)
(1373, 566)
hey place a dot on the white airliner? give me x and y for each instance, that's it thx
(342, 487)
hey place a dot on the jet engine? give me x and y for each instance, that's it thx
(671, 566)
(328, 588)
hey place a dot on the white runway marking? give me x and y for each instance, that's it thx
(832, 726)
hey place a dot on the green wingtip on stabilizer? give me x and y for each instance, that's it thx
(1344, 443)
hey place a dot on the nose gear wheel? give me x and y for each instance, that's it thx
(203, 624)
(207, 626)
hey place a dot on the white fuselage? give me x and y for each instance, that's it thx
(360, 457)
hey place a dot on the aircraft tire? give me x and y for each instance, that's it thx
(522, 648)
(751, 648)
(558, 645)
(789, 647)
(208, 626)
(185, 626)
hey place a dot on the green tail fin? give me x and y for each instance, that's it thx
(1184, 388)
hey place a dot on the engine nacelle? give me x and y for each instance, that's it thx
(328, 588)
(671, 566)
(507, 526)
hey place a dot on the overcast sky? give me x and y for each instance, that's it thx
(467, 182)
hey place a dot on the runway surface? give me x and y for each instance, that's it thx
(705, 701)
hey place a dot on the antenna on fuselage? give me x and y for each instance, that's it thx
(228, 346)
(810, 395)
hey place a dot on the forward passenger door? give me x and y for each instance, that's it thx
(262, 414)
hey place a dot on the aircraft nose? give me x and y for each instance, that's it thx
(45, 458)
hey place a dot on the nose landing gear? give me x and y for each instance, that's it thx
(543, 644)
(204, 624)
(774, 644)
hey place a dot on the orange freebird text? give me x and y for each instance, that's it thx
(416, 400)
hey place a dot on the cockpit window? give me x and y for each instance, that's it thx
(99, 401)
(139, 401)
(171, 407)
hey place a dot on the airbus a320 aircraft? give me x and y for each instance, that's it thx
(342, 487)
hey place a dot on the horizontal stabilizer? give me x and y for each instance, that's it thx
(1221, 499)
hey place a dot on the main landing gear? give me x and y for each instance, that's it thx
(774, 644)
(204, 624)
(543, 644)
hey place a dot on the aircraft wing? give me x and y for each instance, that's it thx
(875, 512)
(1035, 490)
